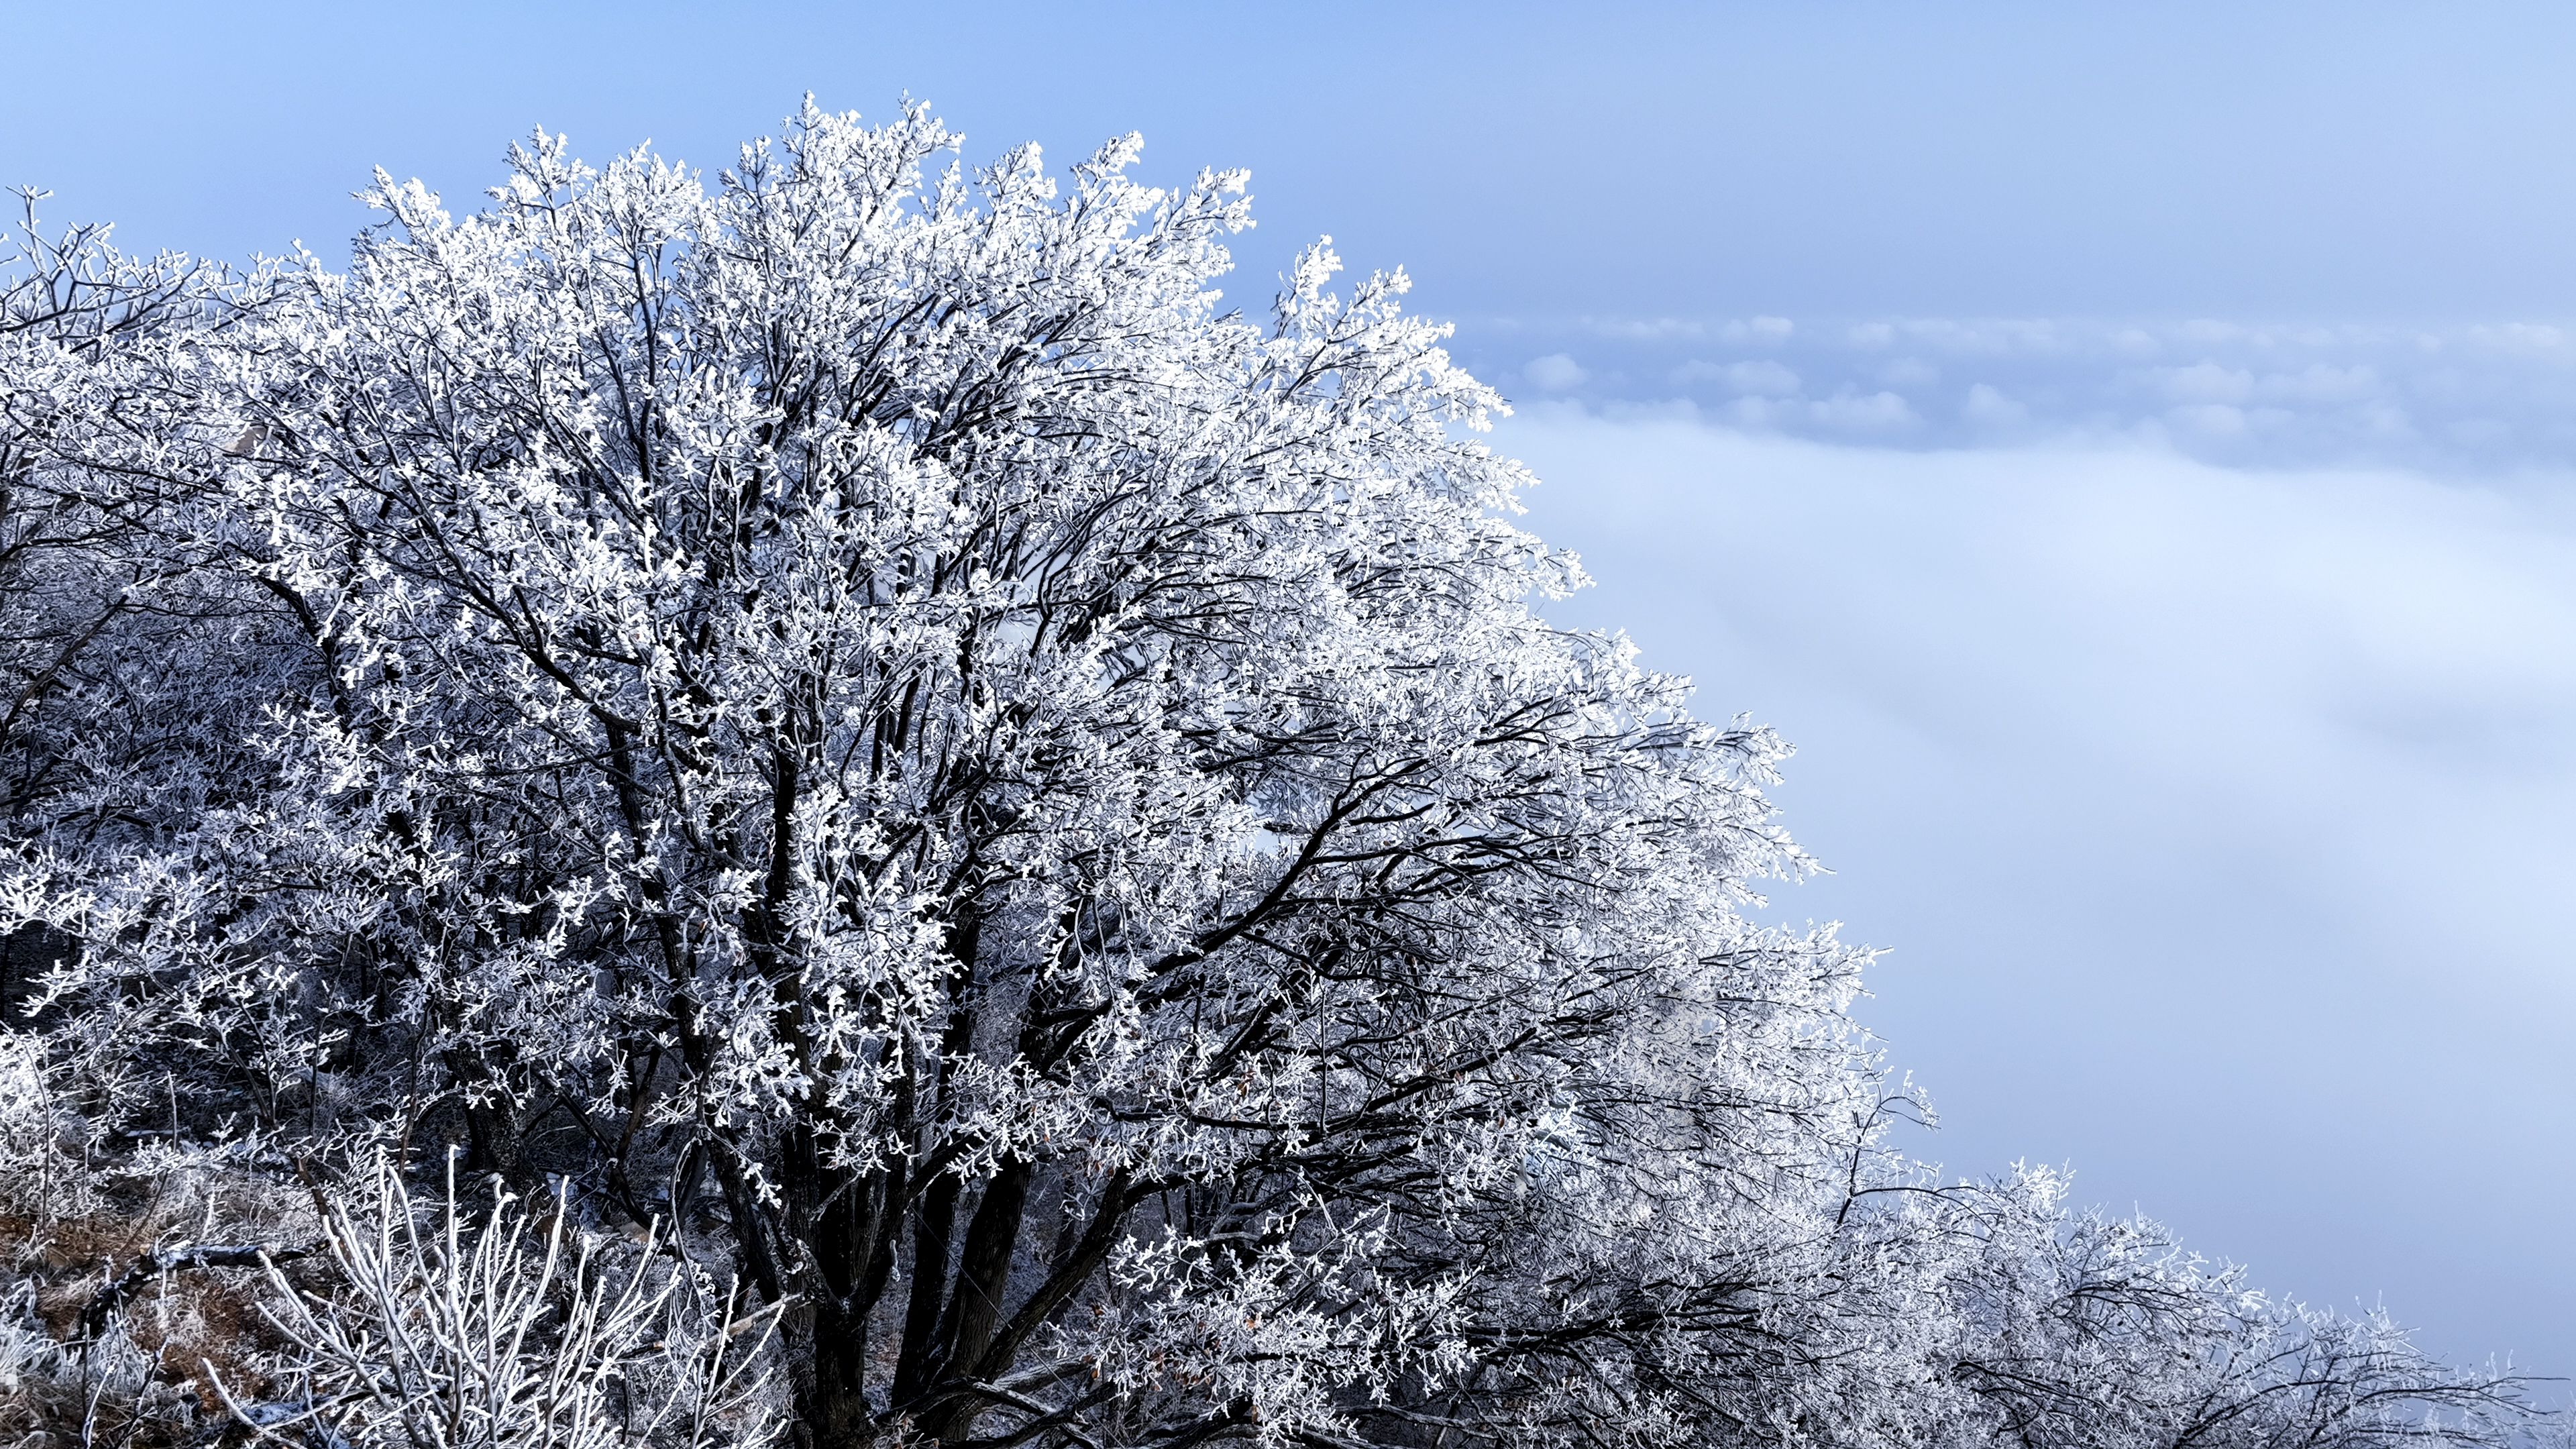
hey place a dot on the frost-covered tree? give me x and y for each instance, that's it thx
(869, 689)
(86, 336)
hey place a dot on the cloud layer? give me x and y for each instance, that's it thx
(2219, 818)
(2485, 397)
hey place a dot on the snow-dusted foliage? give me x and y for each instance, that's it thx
(518, 1334)
(864, 686)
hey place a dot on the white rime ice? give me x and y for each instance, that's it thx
(853, 707)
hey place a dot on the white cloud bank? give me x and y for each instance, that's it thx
(1554, 373)
(2474, 398)
(2222, 820)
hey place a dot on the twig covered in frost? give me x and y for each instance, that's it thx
(508, 1334)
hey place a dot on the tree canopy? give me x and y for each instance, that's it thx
(853, 709)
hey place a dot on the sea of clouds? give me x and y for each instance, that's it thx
(2195, 716)
(2483, 397)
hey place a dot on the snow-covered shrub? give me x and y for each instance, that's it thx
(512, 1332)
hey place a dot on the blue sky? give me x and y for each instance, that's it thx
(2132, 450)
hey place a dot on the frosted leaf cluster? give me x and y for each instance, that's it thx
(853, 707)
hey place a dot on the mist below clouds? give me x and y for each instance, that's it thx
(2218, 819)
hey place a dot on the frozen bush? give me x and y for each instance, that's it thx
(511, 1333)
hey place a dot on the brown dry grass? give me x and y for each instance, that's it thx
(141, 1384)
